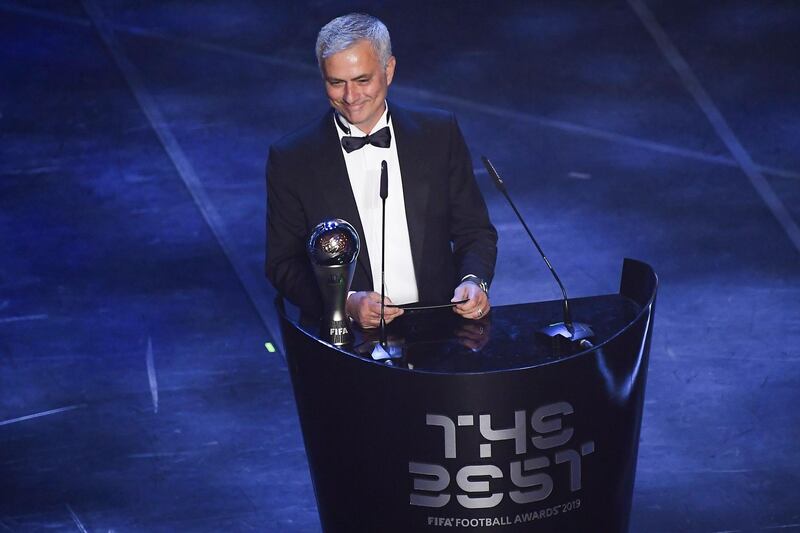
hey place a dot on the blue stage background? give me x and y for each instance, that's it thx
(137, 391)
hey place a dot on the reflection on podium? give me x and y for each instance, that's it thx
(478, 424)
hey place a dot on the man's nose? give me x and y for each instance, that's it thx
(350, 93)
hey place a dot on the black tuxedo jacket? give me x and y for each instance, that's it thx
(448, 224)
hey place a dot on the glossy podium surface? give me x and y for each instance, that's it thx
(478, 424)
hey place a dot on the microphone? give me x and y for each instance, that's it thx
(384, 181)
(384, 192)
(573, 331)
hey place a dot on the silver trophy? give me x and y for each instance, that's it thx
(333, 248)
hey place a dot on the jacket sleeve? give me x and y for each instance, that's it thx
(287, 265)
(473, 236)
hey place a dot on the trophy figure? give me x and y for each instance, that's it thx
(333, 247)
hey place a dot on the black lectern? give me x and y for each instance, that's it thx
(479, 425)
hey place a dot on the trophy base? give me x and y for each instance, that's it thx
(336, 332)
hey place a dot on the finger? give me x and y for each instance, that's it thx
(480, 301)
(459, 310)
(394, 311)
(474, 294)
(388, 307)
(478, 298)
(390, 318)
(391, 310)
(469, 308)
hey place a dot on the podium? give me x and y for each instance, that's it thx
(478, 425)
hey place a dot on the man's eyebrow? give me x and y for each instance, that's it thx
(356, 78)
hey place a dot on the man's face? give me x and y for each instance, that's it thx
(356, 84)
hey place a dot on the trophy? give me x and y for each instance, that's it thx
(333, 248)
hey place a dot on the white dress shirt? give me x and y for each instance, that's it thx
(364, 171)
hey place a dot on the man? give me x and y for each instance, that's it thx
(440, 244)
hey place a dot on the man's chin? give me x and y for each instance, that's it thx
(354, 118)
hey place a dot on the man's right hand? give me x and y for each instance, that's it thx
(365, 308)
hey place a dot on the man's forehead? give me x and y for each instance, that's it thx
(359, 52)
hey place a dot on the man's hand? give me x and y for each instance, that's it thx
(365, 308)
(477, 305)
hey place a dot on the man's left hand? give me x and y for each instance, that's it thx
(477, 304)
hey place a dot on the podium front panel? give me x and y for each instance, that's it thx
(548, 446)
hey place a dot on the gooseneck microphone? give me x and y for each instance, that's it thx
(384, 192)
(573, 331)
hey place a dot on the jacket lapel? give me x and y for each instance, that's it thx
(333, 186)
(410, 154)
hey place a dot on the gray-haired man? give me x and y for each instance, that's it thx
(440, 243)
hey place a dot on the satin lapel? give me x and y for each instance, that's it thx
(410, 154)
(333, 186)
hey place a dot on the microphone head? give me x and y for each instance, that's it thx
(384, 181)
(493, 173)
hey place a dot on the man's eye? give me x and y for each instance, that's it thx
(335, 83)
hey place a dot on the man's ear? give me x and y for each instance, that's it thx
(390, 64)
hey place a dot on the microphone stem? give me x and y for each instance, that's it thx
(565, 300)
(384, 193)
(383, 273)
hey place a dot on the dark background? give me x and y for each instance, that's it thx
(136, 392)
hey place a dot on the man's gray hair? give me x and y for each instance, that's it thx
(343, 32)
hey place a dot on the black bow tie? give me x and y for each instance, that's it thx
(381, 138)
